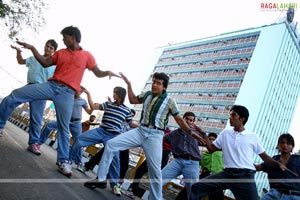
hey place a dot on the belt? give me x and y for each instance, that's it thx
(75, 119)
(187, 157)
(236, 169)
(62, 83)
(152, 127)
(289, 192)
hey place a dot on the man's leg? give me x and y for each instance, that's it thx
(94, 160)
(47, 130)
(153, 151)
(27, 93)
(75, 129)
(36, 118)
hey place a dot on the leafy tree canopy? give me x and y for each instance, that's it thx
(17, 15)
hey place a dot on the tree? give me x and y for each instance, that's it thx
(18, 15)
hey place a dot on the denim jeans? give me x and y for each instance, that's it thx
(63, 99)
(188, 168)
(274, 194)
(151, 141)
(96, 136)
(241, 184)
(75, 129)
(36, 118)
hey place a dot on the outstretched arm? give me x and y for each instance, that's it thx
(45, 61)
(99, 73)
(93, 106)
(20, 59)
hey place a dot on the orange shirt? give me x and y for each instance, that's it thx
(70, 66)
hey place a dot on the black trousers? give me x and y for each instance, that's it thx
(124, 161)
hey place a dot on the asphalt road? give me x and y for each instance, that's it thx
(25, 176)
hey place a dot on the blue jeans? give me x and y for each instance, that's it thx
(151, 141)
(233, 181)
(96, 136)
(75, 129)
(63, 99)
(274, 194)
(188, 168)
(36, 118)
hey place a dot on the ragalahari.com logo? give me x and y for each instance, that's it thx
(267, 6)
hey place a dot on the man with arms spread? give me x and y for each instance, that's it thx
(71, 63)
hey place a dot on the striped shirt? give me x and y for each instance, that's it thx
(114, 117)
(156, 109)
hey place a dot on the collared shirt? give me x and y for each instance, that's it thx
(238, 148)
(79, 103)
(156, 109)
(115, 116)
(70, 66)
(276, 173)
(36, 72)
(183, 144)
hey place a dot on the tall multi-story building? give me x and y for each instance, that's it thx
(257, 67)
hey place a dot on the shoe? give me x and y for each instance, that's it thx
(128, 193)
(95, 184)
(34, 148)
(65, 168)
(81, 168)
(116, 190)
(1, 132)
(87, 168)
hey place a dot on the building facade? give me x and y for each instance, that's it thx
(257, 67)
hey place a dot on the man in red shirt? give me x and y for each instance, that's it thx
(71, 63)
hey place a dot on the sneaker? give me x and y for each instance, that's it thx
(1, 132)
(81, 168)
(116, 190)
(128, 193)
(65, 168)
(95, 183)
(34, 148)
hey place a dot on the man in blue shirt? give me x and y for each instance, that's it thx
(36, 74)
(283, 184)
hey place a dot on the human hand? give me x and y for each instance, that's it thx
(124, 78)
(110, 74)
(25, 45)
(284, 168)
(16, 48)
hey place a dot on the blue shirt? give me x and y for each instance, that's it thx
(276, 173)
(115, 116)
(79, 103)
(36, 72)
(183, 144)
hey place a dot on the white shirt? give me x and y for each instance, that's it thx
(238, 148)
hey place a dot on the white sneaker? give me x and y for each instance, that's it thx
(81, 168)
(65, 168)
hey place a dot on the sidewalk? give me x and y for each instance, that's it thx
(24, 175)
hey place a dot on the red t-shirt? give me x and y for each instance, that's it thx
(70, 66)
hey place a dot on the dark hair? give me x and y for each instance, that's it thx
(189, 114)
(162, 76)
(288, 137)
(121, 92)
(212, 135)
(72, 31)
(52, 43)
(133, 112)
(242, 111)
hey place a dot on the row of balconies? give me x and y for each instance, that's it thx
(198, 65)
(214, 55)
(211, 46)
